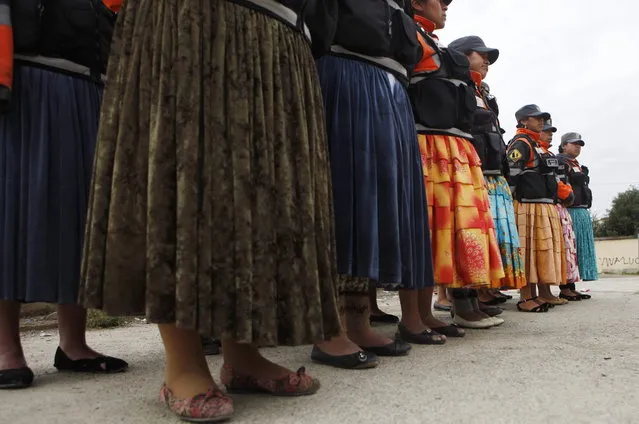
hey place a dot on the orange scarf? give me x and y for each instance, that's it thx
(6, 45)
(427, 24)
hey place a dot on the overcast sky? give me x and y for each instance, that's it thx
(578, 60)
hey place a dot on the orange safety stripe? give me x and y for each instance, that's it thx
(6, 45)
(429, 61)
(114, 5)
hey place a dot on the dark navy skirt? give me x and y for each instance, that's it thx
(46, 156)
(380, 204)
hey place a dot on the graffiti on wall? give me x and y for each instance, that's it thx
(616, 261)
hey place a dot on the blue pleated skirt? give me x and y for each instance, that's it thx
(380, 204)
(586, 256)
(47, 144)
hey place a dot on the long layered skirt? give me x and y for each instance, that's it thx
(380, 204)
(542, 238)
(211, 199)
(465, 247)
(587, 258)
(572, 267)
(503, 212)
(47, 143)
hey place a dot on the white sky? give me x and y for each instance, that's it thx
(578, 60)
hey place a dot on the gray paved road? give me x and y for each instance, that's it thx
(577, 364)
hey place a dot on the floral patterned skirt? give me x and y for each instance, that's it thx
(211, 203)
(503, 212)
(465, 247)
(572, 264)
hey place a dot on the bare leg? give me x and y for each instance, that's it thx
(358, 323)
(340, 345)
(526, 293)
(374, 307)
(442, 297)
(11, 354)
(411, 317)
(545, 293)
(72, 322)
(425, 304)
(245, 359)
(187, 373)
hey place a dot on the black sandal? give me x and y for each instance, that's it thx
(99, 365)
(584, 296)
(450, 331)
(540, 308)
(18, 378)
(576, 298)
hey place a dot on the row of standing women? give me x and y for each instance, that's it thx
(260, 167)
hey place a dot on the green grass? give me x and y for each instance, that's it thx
(99, 320)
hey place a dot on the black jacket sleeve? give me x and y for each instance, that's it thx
(518, 154)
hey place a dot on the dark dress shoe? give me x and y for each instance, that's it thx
(18, 378)
(99, 365)
(397, 348)
(355, 361)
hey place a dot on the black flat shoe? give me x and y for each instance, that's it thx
(397, 348)
(355, 361)
(18, 378)
(99, 365)
(584, 296)
(450, 331)
(211, 346)
(426, 337)
(384, 319)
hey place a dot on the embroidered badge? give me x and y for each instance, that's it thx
(515, 155)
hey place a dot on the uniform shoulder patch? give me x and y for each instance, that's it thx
(515, 155)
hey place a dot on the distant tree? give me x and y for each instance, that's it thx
(623, 217)
(599, 225)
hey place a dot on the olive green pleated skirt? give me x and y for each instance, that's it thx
(211, 199)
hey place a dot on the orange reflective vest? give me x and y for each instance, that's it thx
(6, 45)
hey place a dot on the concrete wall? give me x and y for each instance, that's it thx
(618, 255)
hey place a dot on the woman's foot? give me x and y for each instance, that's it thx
(293, 384)
(418, 333)
(341, 352)
(99, 364)
(11, 359)
(208, 405)
(443, 305)
(532, 305)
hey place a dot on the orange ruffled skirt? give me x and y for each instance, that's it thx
(542, 239)
(465, 248)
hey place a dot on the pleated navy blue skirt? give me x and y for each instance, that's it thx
(380, 204)
(47, 143)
